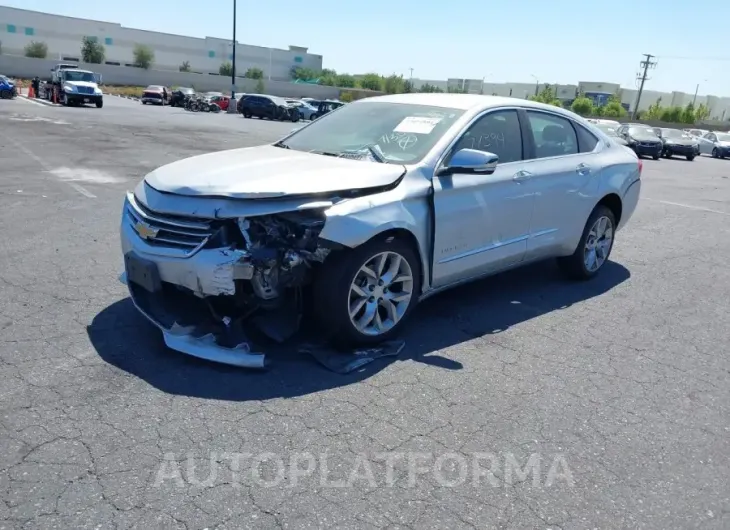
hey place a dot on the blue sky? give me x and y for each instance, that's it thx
(558, 41)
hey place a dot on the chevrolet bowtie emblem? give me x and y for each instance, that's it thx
(146, 231)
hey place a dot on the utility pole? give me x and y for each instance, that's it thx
(233, 65)
(411, 69)
(645, 64)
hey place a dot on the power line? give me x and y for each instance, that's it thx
(684, 58)
(646, 64)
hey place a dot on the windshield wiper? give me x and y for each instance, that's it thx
(282, 145)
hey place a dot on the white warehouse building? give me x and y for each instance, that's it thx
(63, 36)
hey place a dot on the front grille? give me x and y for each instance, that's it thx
(173, 231)
(85, 90)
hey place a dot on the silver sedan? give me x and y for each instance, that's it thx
(365, 212)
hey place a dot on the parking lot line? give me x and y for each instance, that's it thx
(689, 206)
(83, 191)
(28, 100)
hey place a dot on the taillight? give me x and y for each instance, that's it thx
(641, 166)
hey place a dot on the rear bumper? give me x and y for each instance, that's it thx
(686, 150)
(629, 203)
(646, 150)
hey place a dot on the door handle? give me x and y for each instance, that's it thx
(583, 169)
(521, 176)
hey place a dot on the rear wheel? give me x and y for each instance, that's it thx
(594, 246)
(690, 157)
(655, 157)
(715, 153)
(364, 296)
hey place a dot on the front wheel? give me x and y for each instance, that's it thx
(99, 104)
(364, 296)
(594, 246)
(655, 157)
(690, 157)
(715, 153)
(6, 94)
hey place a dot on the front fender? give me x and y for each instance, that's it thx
(353, 222)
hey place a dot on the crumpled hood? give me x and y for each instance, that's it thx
(81, 83)
(268, 172)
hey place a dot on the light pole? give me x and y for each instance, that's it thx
(697, 89)
(537, 83)
(233, 62)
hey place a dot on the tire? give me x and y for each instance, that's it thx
(99, 104)
(6, 94)
(247, 115)
(64, 101)
(574, 266)
(655, 157)
(144, 103)
(332, 295)
(715, 153)
(690, 157)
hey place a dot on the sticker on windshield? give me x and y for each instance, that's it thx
(417, 125)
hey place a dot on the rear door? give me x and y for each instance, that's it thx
(565, 172)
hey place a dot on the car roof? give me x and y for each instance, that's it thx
(465, 101)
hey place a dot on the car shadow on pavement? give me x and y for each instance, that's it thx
(125, 339)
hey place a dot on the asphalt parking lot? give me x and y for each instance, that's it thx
(616, 391)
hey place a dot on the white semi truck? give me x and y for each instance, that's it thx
(73, 86)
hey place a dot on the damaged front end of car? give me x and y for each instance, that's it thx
(202, 281)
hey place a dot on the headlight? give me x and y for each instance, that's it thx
(69, 88)
(97, 90)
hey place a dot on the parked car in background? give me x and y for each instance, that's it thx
(642, 139)
(326, 106)
(611, 131)
(155, 95)
(679, 143)
(716, 144)
(697, 133)
(220, 100)
(474, 184)
(306, 111)
(179, 95)
(8, 90)
(267, 107)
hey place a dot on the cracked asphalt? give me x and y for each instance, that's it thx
(523, 401)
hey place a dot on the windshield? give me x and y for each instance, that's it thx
(674, 133)
(186, 90)
(608, 129)
(387, 132)
(723, 137)
(77, 75)
(642, 131)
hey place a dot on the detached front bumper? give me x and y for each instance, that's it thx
(161, 277)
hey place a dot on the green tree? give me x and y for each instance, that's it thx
(394, 84)
(371, 82)
(654, 112)
(408, 87)
(547, 96)
(254, 73)
(185, 66)
(37, 50)
(346, 96)
(345, 81)
(583, 106)
(689, 114)
(144, 56)
(702, 112)
(303, 74)
(260, 88)
(92, 51)
(226, 69)
(672, 114)
(613, 110)
(429, 88)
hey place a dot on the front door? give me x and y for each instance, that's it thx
(482, 222)
(707, 143)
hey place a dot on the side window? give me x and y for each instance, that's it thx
(709, 136)
(586, 141)
(554, 136)
(497, 132)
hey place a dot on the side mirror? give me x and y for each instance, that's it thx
(471, 161)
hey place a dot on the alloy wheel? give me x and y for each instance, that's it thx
(598, 244)
(380, 293)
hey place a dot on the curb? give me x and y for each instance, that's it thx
(39, 101)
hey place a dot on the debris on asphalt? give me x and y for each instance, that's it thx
(345, 362)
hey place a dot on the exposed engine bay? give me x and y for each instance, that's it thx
(282, 250)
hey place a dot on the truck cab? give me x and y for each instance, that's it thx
(75, 86)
